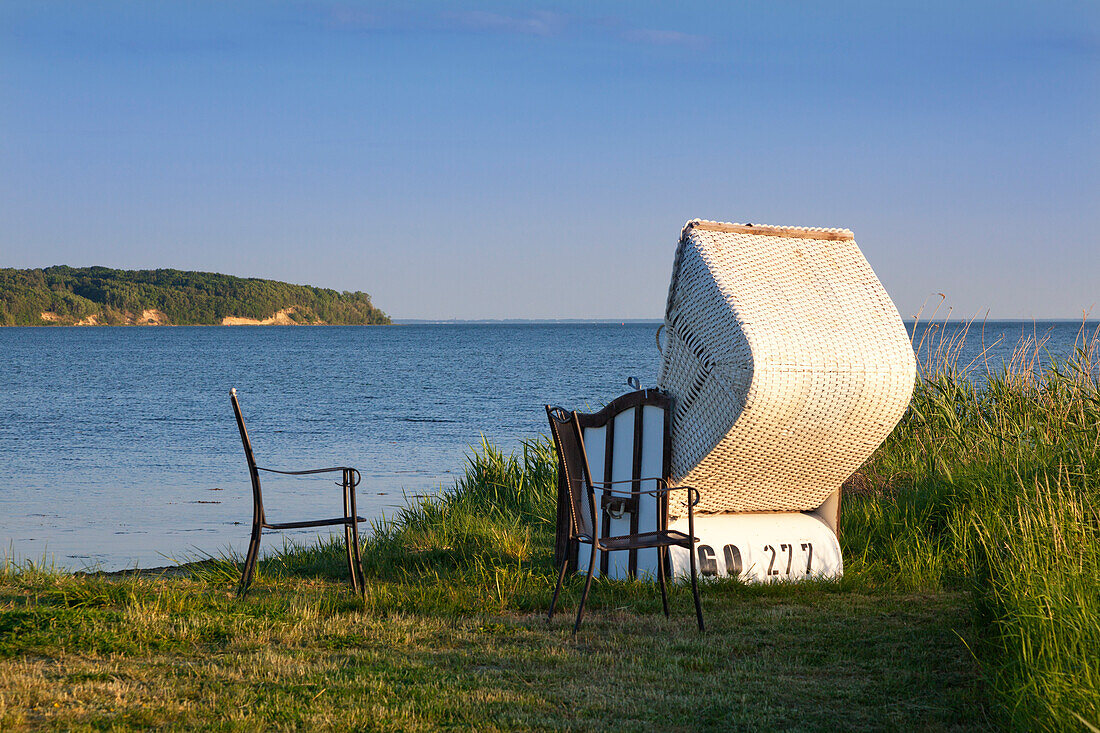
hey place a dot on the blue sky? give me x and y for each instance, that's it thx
(501, 160)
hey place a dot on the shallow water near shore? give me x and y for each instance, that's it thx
(118, 446)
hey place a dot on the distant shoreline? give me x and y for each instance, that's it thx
(519, 321)
(100, 296)
(659, 321)
(241, 322)
(193, 325)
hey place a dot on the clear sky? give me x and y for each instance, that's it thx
(507, 160)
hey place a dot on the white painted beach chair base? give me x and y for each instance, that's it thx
(757, 548)
(760, 548)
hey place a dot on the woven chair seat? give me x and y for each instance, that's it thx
(786, 361)
(646, 539)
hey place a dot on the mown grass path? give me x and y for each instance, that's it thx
(101, 653)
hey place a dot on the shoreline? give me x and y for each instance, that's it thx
(515, 322)
(169, 571)
(183, 325)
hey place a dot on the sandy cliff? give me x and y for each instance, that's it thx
(281, 318)
(154, 317)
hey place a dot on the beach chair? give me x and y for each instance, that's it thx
(787, 365)
(349, 479)
(617, 498)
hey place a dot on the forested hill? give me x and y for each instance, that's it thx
(89, 296)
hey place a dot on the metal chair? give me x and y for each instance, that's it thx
(349, 480)
(573, 463)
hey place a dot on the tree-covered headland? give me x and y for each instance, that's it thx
(64, 295)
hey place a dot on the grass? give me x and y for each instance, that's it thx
(992, 484)
(971, 600)
(149, 652)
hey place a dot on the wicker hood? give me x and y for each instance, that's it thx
(787, 364)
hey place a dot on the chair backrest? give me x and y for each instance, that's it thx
(628, 440)
(573, 465)
(257, 496)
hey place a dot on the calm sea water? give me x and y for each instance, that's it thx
(118, 446)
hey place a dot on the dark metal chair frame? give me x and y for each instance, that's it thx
(611, 506)
(565, 428)
(350, 478)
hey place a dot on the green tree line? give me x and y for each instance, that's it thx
(115, 297)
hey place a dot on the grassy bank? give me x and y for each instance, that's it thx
(991, 484)
(452, 633)
(970, 601)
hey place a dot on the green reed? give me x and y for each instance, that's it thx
(992, 482)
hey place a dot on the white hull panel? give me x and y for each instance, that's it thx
(760, 548)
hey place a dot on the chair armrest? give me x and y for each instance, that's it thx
(651, 492)
(606, 486)
(306, 473)
(630, 481)
(355, 476)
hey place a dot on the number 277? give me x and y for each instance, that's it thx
(807, 547)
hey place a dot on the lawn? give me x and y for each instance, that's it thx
(302, 652)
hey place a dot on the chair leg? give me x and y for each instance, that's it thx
(347, 537)
(557, 588)
(358, 558)
(250, 560)
(695, 589)
(662, 553)
(587, 585)
(352, 514)
(351, 562)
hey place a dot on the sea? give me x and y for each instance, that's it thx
(118, 447)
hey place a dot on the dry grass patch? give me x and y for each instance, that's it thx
(305, 657)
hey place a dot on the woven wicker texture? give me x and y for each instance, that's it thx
(787, 363)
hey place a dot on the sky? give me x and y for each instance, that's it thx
(517, 160)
